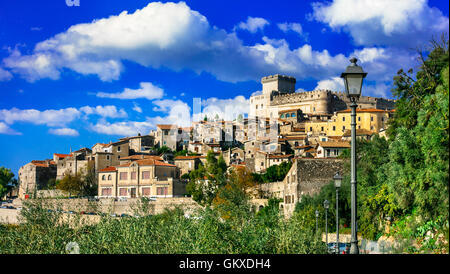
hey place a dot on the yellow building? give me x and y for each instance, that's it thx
(374, 120)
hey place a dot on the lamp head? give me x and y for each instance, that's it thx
(353, 79)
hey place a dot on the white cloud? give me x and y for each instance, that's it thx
(5, 129)
(104, 111)
(333, 84)
(50, 117)
(227, 109)
(137, 108)
(166, 105)
(5, 75)
(405, 23)
(64, 131)
(147, 90)
(177, 38)
(253, 24)
(128, 128)
(295, 27)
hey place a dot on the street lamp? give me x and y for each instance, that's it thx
(326, 205)
(337, 183)
(353, 79)
(317, 220)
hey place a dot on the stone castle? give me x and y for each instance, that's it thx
(278, 94)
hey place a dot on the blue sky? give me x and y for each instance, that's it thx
(72, 76)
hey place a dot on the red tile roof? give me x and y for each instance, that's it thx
(335, 144)
(147, 162)
(141, 157)
(62, 155)
(167, 126)
(108, 169)
(187, 157)
(364, 110)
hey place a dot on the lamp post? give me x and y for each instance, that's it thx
(353, 79)
(326, 205)
(337, 183)
(317, 220)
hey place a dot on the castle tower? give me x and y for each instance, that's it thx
(277, 83)
(271, 85)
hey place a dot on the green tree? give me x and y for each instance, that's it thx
(7, 181)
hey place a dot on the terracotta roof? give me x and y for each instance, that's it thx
(272, 156)
(288, 110)
(167, 126)
(300, 147)
(141, 157)
(42, 163)
(361, 131)
(363, 110)
(108, 169)
(292, 138)
(186, 157)
(147, 162)
(62, 155)
(101, 144)
(334, 144)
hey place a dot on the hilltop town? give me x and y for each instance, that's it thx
(308, 129)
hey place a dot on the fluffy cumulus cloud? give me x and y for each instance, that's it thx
(404, 23)
(57, 119)
(295, 27)
(334, 84)
(147, 91)
(63, 131)
(51, 117)
(104, 111)
(5, 75)
(175, 37)
(253, 24)
(127, 128)
(5, 129)
(227, 109)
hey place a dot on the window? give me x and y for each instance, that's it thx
(107, 157)
(123, 191)
(343, 128)
(106, 191)
(118, 148)
(162, 190)
(328, 152)
(145, 175)
(314, 108)
(103, 177)
(133, 175)
(371, 118)
(287, 115)
(123, 175)
(310, 128)
(166, 132)
(359, 119)
(343, 119)
(145, 191)
(109, 177)
(321, 129)
(334, 128)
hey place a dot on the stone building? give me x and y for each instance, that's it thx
(187, 163)
(331, 149)
(307, 177)
(35, 176)
(140, 143)
(167, 135)
(74, 163)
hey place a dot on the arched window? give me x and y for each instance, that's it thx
(287, 115)
(109, 177)
(103, 177)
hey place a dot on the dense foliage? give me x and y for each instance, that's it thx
(274, 173)
(205, 232)
(7, 181)
(405, 178)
